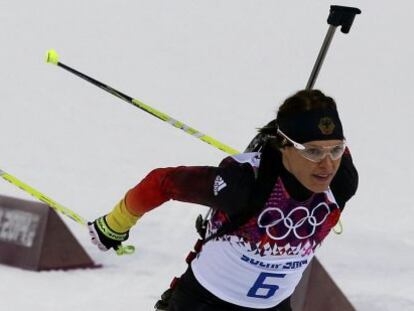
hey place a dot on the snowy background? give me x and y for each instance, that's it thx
(222, 67)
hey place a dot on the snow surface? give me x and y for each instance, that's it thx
(222, 67)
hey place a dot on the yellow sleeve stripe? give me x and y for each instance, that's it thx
(120, 219)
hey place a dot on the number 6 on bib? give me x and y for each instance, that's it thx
(262, 290)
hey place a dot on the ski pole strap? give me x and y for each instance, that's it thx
(125, 250)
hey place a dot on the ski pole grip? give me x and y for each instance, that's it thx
(342, 16)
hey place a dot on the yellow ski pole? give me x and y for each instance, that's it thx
(45, 199)
(53, 58)
(123, 249)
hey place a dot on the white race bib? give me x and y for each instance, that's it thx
(248, 280)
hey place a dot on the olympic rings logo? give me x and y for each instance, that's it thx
(309, 218)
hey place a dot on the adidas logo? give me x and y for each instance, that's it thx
(219, 184)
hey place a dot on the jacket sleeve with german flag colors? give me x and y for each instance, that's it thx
(224, 187)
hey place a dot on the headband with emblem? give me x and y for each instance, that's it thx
(316, 124)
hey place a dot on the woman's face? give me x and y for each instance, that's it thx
(315, 176)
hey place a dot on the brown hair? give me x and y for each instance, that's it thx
(303, 100)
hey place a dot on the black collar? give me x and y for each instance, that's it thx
(271, 167)
(295, 189)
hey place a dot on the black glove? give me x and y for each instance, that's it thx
(104, 237)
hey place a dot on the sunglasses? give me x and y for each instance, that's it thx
(314, 153)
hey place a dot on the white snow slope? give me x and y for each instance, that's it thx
(222, 67)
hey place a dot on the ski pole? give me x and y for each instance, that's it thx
(53, 58)
(122, 249)
(45, 199)
(338, 16)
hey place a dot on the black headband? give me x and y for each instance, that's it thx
(316, 124)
